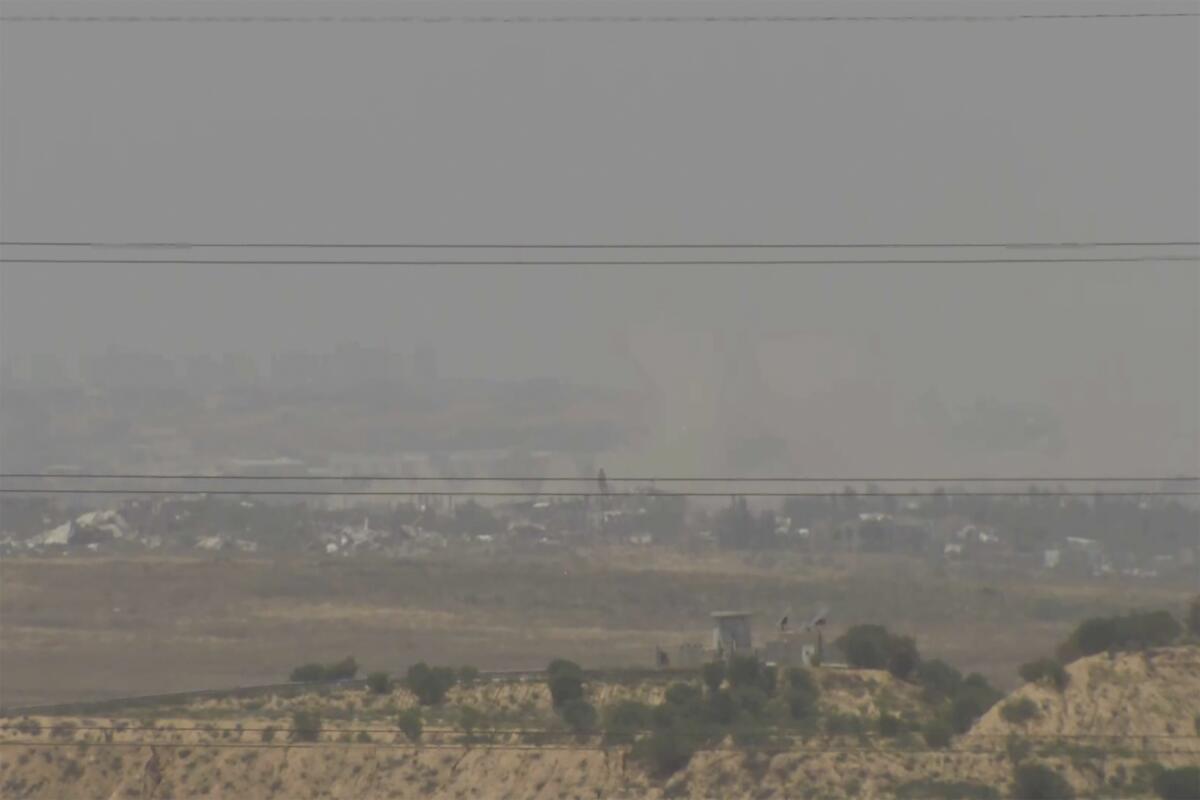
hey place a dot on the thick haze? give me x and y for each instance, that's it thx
(1045, 131)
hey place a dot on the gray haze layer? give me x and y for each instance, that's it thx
(644, 133)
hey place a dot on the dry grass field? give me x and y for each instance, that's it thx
(93, 628)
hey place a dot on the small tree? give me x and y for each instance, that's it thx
(1019, 711)
(1037, 782)
(664, 752)
(308, 673)
(468, 675)
(379, 683)
(565, 679)
(937, 734)
(939, 679)
(306, 726)
(409, 722)
(429, 684)
(343, 670)
(580, 715)
(1046, 670)
(624, 719)
(713, 674)
(682, 694)
(889, 725)
(1193, 616)
(1178, 784)
(470, 719)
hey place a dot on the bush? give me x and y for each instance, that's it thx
(308, 673)
(801, 705)
(1018, 749)
(1132, 631)
(903, 658)
(409, 722)
(345, 669)
(379, 683)
(800, 679)
(750, 699)
(713, 674)
(1036, 782)
(623, 720)
(1046, 670)
(470, 719)
(306, 726)
(889, 725)
(939, 679)
(873, 647)
(865, 646)
(565, 679)
(468, 675)
(1020, 711)
(938, 734)
(580, 715)
(429, 684)
(1178, 784)
(744, 671)
(664, 752)
(722, 708)
(268, 734)
(945, 790)
(1193, 616)
(972, 700)
(844, 724)
(683, 694)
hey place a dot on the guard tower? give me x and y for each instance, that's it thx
(731, 633)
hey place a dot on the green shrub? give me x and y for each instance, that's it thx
(1046, 670)
(971, 701)
(429, 684)
(306, 726)
(1037, 782)
(744, 671)
(1193, 616)
(409, 722)
(580, 715)
(1178, 784)
(1018, 749)
(1132, 631)
(468, 675)
(713, 674)
(379, 683)
(889, 725)
(938, 734)
(801, 705)
(342, 670)
(664, 752)
(470, 719)
(750, 699)
(873, 647)
(363, 737)
(945, 790)
(623, 720)
(308, 673)
(939, 679)
(799, 679)
(722, 708)
(565, 679)
(1020, 711)
(683, 694)
(837, 724)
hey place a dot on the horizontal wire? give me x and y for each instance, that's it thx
(560, 732)
(489, 493)
(593, 479)
(599, 262)
(1024, 245)
(601, 19)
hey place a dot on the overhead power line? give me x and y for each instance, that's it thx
(294, 262)
(1063, 244)
(607, 19)
(198, 476)
(582, 494)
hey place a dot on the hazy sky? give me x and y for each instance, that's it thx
(619, 133)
